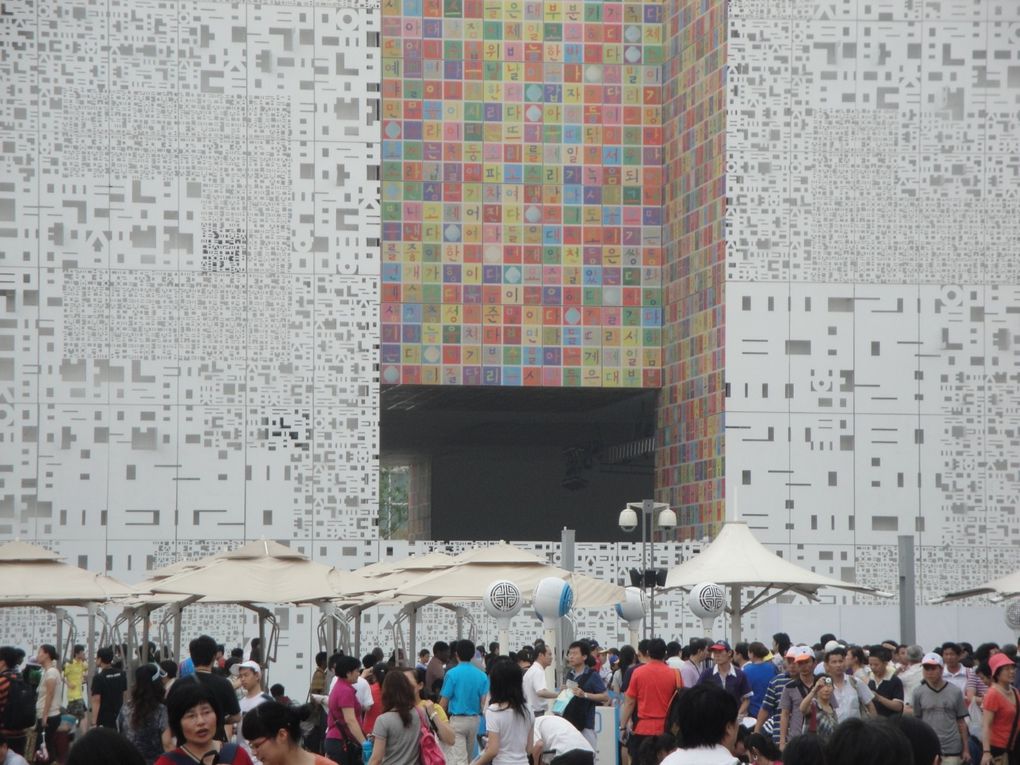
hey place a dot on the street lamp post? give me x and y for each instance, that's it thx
(628, 521)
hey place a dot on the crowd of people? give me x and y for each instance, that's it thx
(703, 703)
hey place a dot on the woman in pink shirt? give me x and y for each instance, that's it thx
(344, 736)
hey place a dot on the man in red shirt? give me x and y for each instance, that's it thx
(651, 690)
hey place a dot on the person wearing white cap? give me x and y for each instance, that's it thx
(940, 704)
(791, 720)
(249, 673)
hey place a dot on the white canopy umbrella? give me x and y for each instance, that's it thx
(737, 560)
(1003, 588)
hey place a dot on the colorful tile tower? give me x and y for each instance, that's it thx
(522, 192)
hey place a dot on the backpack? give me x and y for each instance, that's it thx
(576, 711)
(19, 711)
(429, 751)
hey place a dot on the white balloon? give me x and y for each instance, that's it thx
(707, 600)
(502, 599)
(552, 598)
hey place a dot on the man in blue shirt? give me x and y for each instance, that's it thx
(728, 677)
(465, 688)
(588, 686)
(759, 671)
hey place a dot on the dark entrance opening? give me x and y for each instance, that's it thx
(513, 463)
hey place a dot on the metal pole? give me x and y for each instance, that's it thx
(908, 607)
(567, 549)
(567, 560)
(647, 514)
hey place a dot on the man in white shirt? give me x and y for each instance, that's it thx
(9, 757)
(707, 717)
(558, 742)
(954, 672)
(249, 675)
(691, 668)
(535, 686)
(851, 694)
(911, 675)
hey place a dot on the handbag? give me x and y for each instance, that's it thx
(429, 751)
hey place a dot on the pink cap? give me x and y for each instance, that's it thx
(998, 661)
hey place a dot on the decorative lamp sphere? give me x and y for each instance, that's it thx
(552, 598)
(1013, 615)
(707, 600)
(632, 609)
(502, 599)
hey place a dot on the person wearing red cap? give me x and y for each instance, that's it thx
(1001, 710)
(728, 677)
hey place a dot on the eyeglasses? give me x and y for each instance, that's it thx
(255, 743)
(927, 667)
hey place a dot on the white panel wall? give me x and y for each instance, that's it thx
(873, 293)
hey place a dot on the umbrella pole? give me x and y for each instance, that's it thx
(91, 660)
(144, 648)
(357, 633)
(735, 616)
(128, 663)
(264, 649)
(60, 613)
(412, 634)
(177, 633)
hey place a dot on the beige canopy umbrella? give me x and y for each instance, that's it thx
(263, 572)
(737, 560)
(1000, 589)
(34, 576)
(258, 572)
(468, 582)
(414, 563)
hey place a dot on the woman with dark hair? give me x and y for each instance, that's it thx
(438, 720)
(874, 741)
(142, 718)
(396, 729)
(194, 715)
(169, 667)
(1001, 709)
(807, 749)
(627, 657)
(103, 746)
(255, 653)
(273, 731)
(762, 750)
(344, 735)
(508, 720)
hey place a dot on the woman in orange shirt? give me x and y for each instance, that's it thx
(1001, 708)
